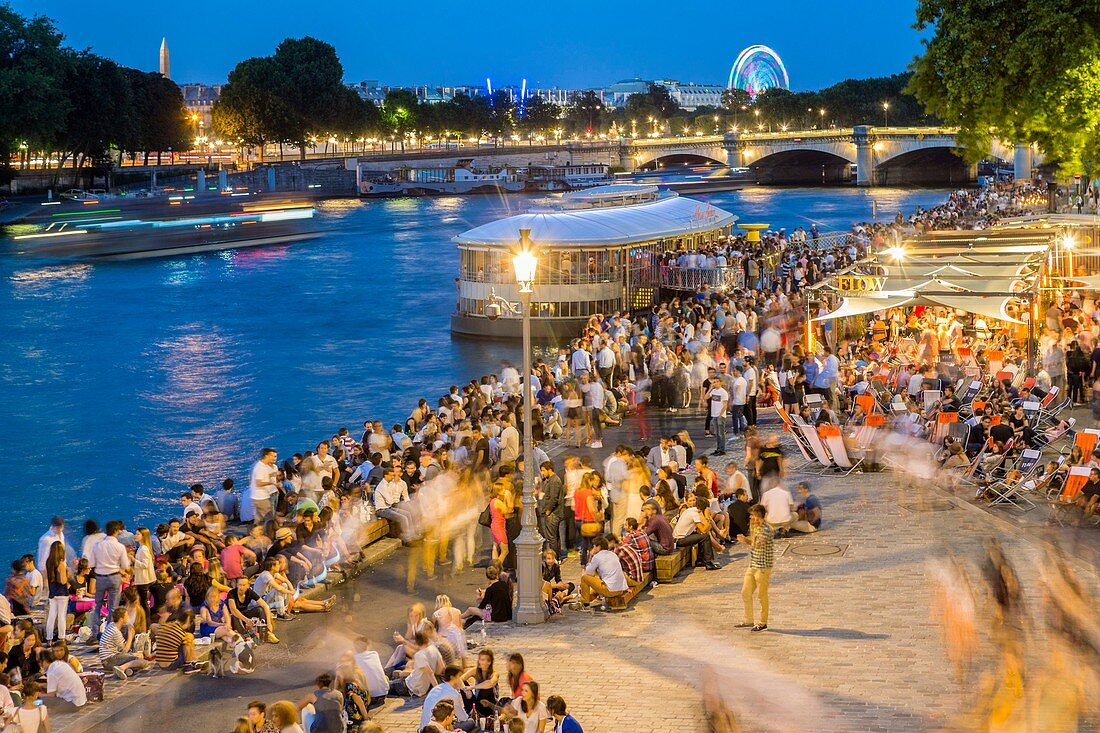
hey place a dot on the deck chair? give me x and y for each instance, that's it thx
(817, 447)
(1086, 439)
(931, 399)
(1031, 412)
(969, 393)
(834, 441)
(814, 402)
(867, 402)
(1054, 433)
(941, 429)
(868, 434)
(1001, 492)
(1065, 502)
(799, 439)
(995, 361)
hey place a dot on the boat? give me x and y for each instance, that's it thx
(380, 185)
(567, 177)
(98, 238)
(598, 252)
(462, 178)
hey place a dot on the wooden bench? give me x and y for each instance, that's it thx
(374, 531)
(669, 566)
(621, 603)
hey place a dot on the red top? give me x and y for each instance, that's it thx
(580, 505)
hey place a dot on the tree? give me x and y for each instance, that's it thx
(736, 100)
(310, 80)
(655, 102)
(587, 113)
(100, 105)
(1026, 71)
(400, 113)
(250, 108)
(540, 115)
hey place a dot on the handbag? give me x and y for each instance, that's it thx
(485, 519)
(591, 529)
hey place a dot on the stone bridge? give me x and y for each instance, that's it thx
(872, 155)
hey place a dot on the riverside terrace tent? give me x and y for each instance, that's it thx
(979, 272)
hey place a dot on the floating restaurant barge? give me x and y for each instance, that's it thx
(598, 252)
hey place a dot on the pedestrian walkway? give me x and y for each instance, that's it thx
(852, 645)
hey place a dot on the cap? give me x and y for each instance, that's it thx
(284, 533)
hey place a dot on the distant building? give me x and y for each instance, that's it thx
(199, 100)
(688, 95)
(165, 65)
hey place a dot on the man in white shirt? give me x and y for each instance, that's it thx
(615, 472)
(581, 361)
(693, 529)
(420, 674)
(719, 400)
(739, 393)
(315, 468)
(190, 506)
(56, 533)
(605, 363)
(262, 485)
(509, 441)
(780, 511)
(63, 682)
(110, 560)
(368, 661)
(448, 690)
(603, 576)
(594, 398)
(390, 497)
(752, 377)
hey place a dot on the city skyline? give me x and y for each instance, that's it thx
(549, 54)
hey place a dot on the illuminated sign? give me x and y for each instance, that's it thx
(860, 283)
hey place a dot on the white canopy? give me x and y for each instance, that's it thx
(666, 217)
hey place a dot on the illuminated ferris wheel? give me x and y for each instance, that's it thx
(758, 68)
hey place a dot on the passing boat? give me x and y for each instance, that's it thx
(567, 177)
(380, 185)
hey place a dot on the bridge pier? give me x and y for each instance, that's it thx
(1021, 162)
(626, 156)
(865, 155)
(734, 154)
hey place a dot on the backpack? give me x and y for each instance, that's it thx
(234, 658)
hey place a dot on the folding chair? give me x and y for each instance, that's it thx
(967, 395)
(867, 402)
(1078, 477)
(868, 434)
(1001, 492)
(1054, 433)
(944, 421)
(931, 398)
(834, 441)
(1031, 412)
(995, 361)
(821, 453)
(1086, 439)
(799, 439)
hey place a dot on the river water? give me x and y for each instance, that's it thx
(123, 383)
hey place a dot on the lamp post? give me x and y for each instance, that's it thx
(530, 609)
(885, 114)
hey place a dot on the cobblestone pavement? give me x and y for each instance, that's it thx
(852, 645)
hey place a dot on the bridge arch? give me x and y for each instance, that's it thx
(932, 164)
(646, 157)
(798, 165)
(669, 160)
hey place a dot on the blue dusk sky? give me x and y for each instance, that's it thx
(564, 43)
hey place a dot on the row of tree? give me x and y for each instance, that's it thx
(70, 106)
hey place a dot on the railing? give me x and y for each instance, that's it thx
(693, 278)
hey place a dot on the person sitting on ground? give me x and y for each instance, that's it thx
(328, 706)
(214, 618)
(735, 479)
(779, 505)
(603, 576)
(176, 644)
(738, 512)
(442, 718)
(494, 603)
(693, 530)
(115, 648)
(563, 721)
(244, 607)
(809, 509)
(284, 715)
(370, 664)
(658, 529)
(420, 673)
(554, 590)
(527, 708)
(448, 690)
(62, 681)
(32, 715)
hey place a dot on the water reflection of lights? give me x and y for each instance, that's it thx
(42, 281)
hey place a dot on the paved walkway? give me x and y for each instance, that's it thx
(852, 645)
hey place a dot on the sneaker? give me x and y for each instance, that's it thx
(596, 444)
(119, 672)
(760, 627)
(708, 434)
(271, 638)
(189, 668)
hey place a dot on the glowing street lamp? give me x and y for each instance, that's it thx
(885, 114)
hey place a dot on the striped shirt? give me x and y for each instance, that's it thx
(170, 638)
(112, 642)
(763, 546)
(631, 562)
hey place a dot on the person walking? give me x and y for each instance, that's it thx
(109, 560)
(263, 485)
(758, 575)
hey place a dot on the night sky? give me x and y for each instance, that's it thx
(565, 43)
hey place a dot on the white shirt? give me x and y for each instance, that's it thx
(378, 685)
(778, 503)
(425, 662)
(442, 691)
(318, 469)
(739, 391)
(606, 565)
(109, 556)
(509, 444)
(192, 508)
(45, 542)
(686, 523)
(62, 679)
(389, 493)
(719, 401)
(753, 382)
(615, 472)
(89, 542)
(530, 722)
(262, 474)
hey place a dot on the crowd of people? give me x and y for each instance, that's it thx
(232, 565)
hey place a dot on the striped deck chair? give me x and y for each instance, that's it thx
(968, 394)
(799, 439)
(944, 421)
(995, 361)
(1001, 492)
(817, 447)
(930, 398)
(1086, 439)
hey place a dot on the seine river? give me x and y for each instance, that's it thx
(123, 383)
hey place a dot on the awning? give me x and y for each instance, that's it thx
(867, 304)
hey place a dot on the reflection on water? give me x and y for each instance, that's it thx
(124, 383)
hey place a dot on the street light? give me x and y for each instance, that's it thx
(885, 114)
(530, 609)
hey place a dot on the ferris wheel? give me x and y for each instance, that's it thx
(758, 68)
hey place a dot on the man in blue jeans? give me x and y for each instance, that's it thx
(109, 560)
(719, 400)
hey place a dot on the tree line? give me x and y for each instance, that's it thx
(73, 107)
